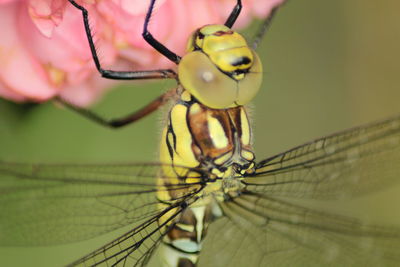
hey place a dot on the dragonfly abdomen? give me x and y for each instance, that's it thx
(182, 244)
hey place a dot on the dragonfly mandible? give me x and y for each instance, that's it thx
(325, 168)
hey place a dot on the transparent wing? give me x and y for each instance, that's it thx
(135, 247)
(53, 204)
(266, 226)
(258, 230)
(349, 163)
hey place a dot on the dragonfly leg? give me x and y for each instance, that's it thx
(262, 30)
(123, 121)
(234, 14)
(153, 42)
(119, 75)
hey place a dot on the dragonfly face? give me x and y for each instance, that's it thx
(280, 227)
(220, 69)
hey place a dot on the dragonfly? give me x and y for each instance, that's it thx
(200, 206)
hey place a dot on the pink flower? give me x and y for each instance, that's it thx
(44, 50)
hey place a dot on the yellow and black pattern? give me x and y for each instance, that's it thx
(207, 202)
(220, 69)
(263, 226)
(211, 140)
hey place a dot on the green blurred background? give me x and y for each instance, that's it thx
(329, 65)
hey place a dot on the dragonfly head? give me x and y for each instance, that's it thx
(220, 69)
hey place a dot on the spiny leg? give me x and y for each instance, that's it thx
(262, 30)
(120, 122)
(124, 75)
(121, 75)
(153, 42)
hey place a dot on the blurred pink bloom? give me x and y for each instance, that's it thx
(44, 51)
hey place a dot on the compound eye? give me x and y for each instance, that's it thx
(251, 83)
(206, 82)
